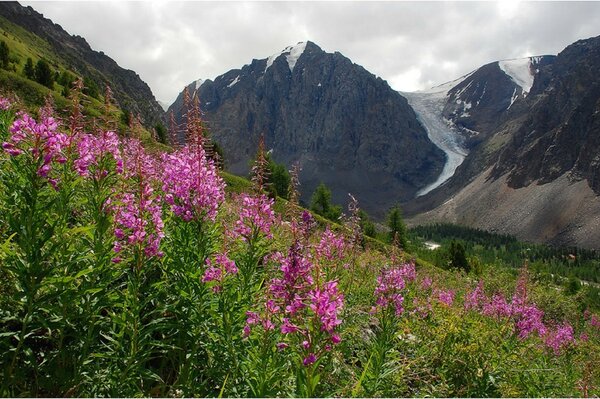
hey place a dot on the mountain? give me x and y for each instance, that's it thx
(535, 171)
(131, 93)
(345, 126)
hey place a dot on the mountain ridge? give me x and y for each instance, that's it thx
(346, 127)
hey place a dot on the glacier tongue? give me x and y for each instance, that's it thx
(429, 105)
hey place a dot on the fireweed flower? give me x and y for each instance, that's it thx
(445, 296)
(5, 104)
(327, 303)
(191, 184)
(560, 338)
(42, 140)
(331, 246)
(290, 290)
(426, 283)
(497, 307)
(256, 217)
(138, 212)
(475, 299)
(595, 321)
(528, 319)
(218, 269)
(92, 149)
(390, 285)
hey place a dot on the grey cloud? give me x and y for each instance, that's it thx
(411, 44)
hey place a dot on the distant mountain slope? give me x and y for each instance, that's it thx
(129, 90)
(344, 126)
(535, 172)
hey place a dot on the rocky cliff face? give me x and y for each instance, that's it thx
(483, 99)
(562, 130)
(346, 127)
(128, 89)
(536, 172)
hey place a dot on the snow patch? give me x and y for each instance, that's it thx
(519, 70)
(198, 83)
(234, 81)
(446, 87)
(292, 53)
(513, 98)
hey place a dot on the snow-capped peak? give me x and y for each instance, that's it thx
(520, 71)
(198, 83)
(292, 53)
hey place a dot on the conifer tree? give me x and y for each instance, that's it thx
(28, 69)
(4, 52)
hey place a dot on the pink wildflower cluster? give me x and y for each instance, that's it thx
(331, 246)
(391, 284)
(138, 212)
(92, 150)
(445, 296)
(191, 184)
(595, 321)
(526, 316)
(476, 298)
(217, 270)
(560, 338)
(5, 104)
(42, 140)
(256, 217)
(265, 319)
(309, 311)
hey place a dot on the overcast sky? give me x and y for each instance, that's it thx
(412, 45)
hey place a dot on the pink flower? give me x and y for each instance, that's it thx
(390, 285)
(5, 104)
(327, 304)
(256, 217)
(42, 140)
(94, 151)
(560, 338)
(475, 299)
(331, 246)
(310, 359)
(192, 186)
(445, 296)
(138, 212)
(497, 307)
(528, 320)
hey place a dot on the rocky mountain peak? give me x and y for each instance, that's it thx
(343, 125)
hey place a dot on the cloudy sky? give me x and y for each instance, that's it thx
(413, 45)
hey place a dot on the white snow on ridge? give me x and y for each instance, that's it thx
(198, 83)
(519, 70)
(234, 81)
(445, 87)
(292, 54)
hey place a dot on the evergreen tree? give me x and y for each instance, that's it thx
(90, 88)
(457, 256)
(279, 178)
(366, 225)
(28, 69)
(4, 52)
(397, 226)
(321, 203)
(43, 74)
(161, 132)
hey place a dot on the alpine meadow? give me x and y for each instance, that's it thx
(296, 227)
